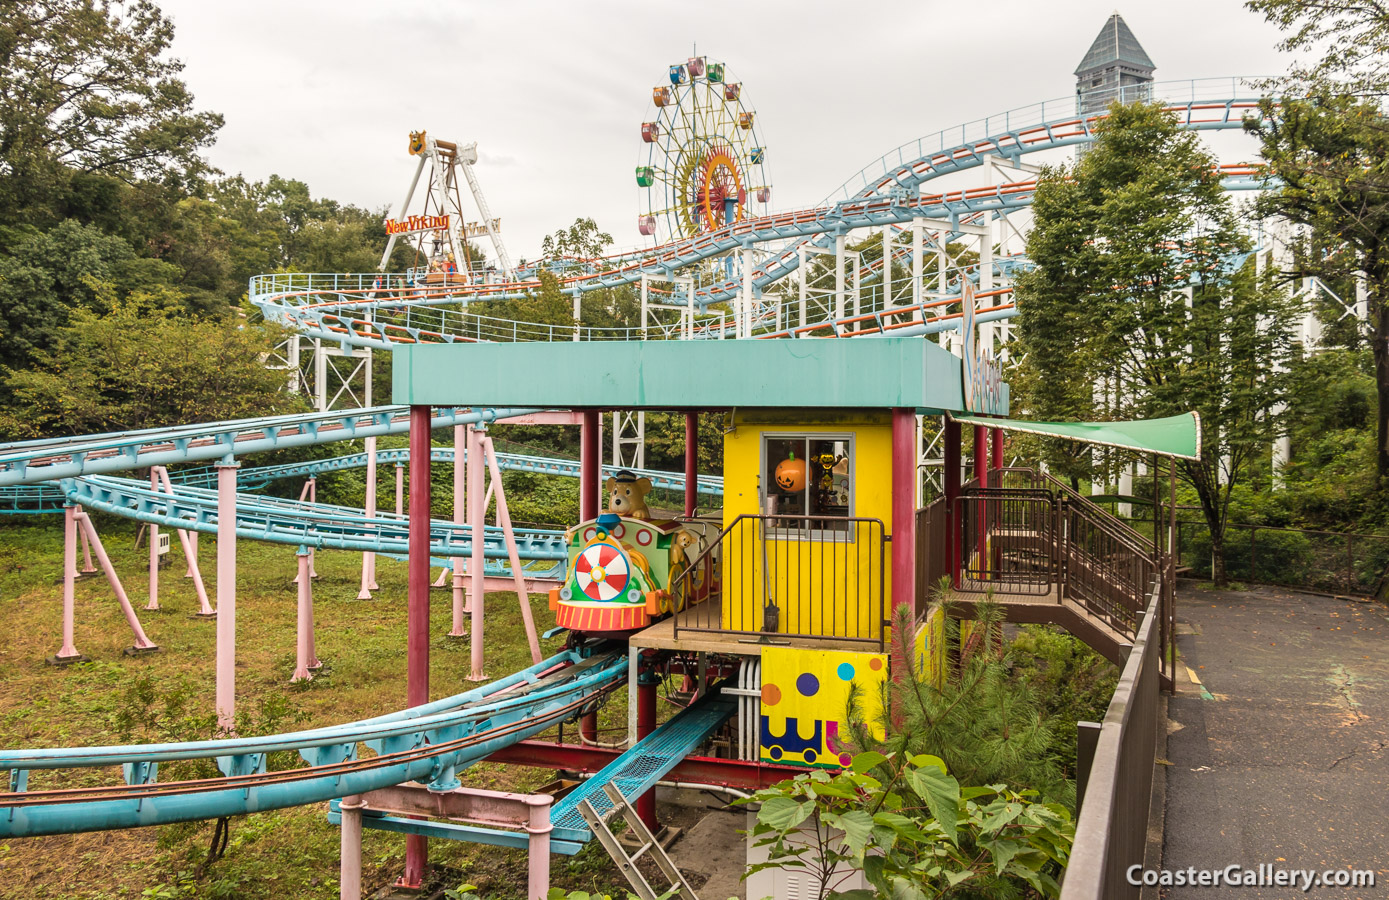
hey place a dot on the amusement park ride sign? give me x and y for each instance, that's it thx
(416, 224)
(983, 375)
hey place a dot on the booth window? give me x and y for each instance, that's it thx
(809, 480)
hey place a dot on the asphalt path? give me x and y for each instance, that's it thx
(1279, 742)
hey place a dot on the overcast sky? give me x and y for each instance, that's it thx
(326, 91)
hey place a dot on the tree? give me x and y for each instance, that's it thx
(1326, 139)
(48, 275)
(144, 363)
(1141, 303)
(984, 724)
(1351, 34)
(580, 241)
(86, 87)
(1330, 151)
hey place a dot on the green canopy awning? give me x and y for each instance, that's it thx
(1178, 436)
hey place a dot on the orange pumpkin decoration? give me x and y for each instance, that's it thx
(790, 474)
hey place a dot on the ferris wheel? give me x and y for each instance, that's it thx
(702, 164)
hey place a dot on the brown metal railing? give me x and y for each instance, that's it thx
(791, 576)
(1112, 829)
(932, 551)
(1107, 568)
(1027, 533)
(1021, 531)
(1008, 540)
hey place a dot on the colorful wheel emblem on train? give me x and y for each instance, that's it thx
(602, 572)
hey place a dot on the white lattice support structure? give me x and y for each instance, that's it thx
(629, 439)
(341, 377)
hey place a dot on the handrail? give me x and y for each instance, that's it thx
(834, 610)
(1111, 832)
(1114, 525)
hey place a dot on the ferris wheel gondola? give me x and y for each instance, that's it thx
(702, 163)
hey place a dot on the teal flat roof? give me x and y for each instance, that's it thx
(878, 373)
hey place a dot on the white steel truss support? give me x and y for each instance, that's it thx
(813, 291)
(839, 241)
(468, 154)
(917, 267)
(887, 267)
(680, 298)
(746, 299)
(629, 439)
(341, 378)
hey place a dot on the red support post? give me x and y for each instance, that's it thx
(691, 462)
(590, 467)
(951, 476)
(417, 609)
(981, 455)
(646, 723)
(996, 454)
(903, 508)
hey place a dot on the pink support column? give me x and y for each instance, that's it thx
(691, 462)
(350, 859)
(191, 549)
(538, 827)
(188, 540)
(399, 489)
(226, 594)
(590, 467)
(313, 498)
(142, 643)
(68, 652)
(369, 558)
(996, 447)
(87, 567)
(304, 658)
(513, 555)
(154, 549)
(460, 517)
(417, 611)
(904, 508)
(477, 514)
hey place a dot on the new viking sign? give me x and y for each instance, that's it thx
(416, 224)
(983, 374)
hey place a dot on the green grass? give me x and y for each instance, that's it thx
(287, 853)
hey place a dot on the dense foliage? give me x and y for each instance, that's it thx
(124, 255)
(987, 725)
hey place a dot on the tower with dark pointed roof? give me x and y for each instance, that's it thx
(1115, 67)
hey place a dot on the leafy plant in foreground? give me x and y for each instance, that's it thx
(916, 836)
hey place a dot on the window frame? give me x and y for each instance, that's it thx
(763, 488)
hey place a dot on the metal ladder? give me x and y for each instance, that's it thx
(647, 843)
